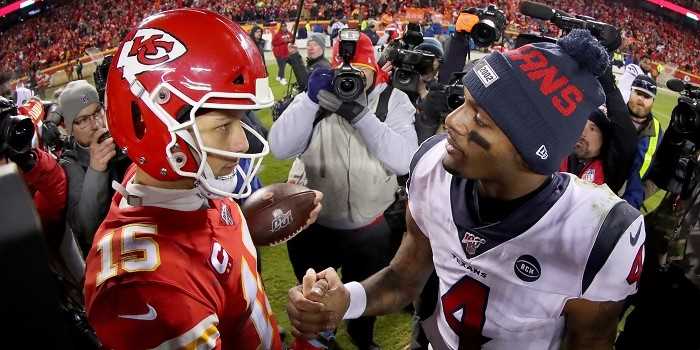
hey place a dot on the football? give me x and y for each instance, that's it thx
(277, 212)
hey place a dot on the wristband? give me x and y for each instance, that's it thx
(358, 300)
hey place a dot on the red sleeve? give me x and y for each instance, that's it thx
(278, 39)
(153, 315)
(48, 181)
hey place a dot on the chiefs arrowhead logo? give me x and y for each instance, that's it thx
(148, 49)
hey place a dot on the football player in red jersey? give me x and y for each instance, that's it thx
(173, 265)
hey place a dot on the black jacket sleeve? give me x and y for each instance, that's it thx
(455, 58)
(299, 70)
(622, 144)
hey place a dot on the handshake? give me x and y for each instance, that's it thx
(318, 304)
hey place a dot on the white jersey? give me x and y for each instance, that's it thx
(624, 84)
(23, 95)
(505, 285)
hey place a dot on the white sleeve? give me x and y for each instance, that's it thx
(290, 134)
(393, 141)
(625, 81)
(619, 276)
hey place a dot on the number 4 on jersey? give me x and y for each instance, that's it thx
(464, 307)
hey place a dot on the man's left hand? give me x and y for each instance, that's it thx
(351, 111)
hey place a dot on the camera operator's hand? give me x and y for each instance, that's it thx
(435, 104)
(25, 161)
(351, 111)
(387, 68)
(292, 49)
(101, 152)
(320, 79)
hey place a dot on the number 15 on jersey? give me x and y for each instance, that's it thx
(127, 249)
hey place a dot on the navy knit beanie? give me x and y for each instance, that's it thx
(541, 95)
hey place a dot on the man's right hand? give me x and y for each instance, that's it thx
(318, 304)
(101, 152)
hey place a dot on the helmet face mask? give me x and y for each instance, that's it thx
(161, 72)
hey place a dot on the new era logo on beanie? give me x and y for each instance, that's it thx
(540, 95)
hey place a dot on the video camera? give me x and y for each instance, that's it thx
(16, 131)
(348, 81)
(675, 162)
(454, 92)
(485, 25)
(608, 35)
(409, 64)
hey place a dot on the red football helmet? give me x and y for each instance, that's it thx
(172, 64)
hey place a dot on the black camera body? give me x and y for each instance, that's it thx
(492, 23)
(409, 64)
(608, 35)
(16, 131)
(348, 82)
(675, 160)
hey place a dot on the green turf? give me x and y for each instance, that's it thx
(391, 332)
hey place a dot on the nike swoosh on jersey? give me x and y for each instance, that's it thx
(149, 316)
(633, 239)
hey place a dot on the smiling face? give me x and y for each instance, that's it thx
(222, 129)
(476, 147)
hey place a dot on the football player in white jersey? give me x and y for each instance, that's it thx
(527, 257)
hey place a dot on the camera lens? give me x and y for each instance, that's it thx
(348, 87)
(403, 77)
(20, 134)
(454, 100)
(686, 118)
(484, 33)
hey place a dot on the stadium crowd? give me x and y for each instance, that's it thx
(67, 30)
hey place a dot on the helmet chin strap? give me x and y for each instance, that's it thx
(213, 186)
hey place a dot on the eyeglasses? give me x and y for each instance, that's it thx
(82, 121)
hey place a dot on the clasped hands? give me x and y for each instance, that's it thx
(318, 304)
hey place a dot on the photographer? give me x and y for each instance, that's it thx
(315, 58)
(604, 152)
(44, 178)
(46, 182)
(671, 270)
(87, 160)
(431, 108)
(352, 155)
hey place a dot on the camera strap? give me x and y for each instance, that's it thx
(383, 104)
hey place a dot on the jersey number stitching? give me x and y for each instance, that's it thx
(134, 252)
(464, 308)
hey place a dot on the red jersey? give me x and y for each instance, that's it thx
(168, 279)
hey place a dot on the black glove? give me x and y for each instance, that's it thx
(351, 111)
(25, 161)
(51, 135)
(435, 104)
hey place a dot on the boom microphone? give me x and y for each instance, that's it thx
(537, 10)
(676, 85)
